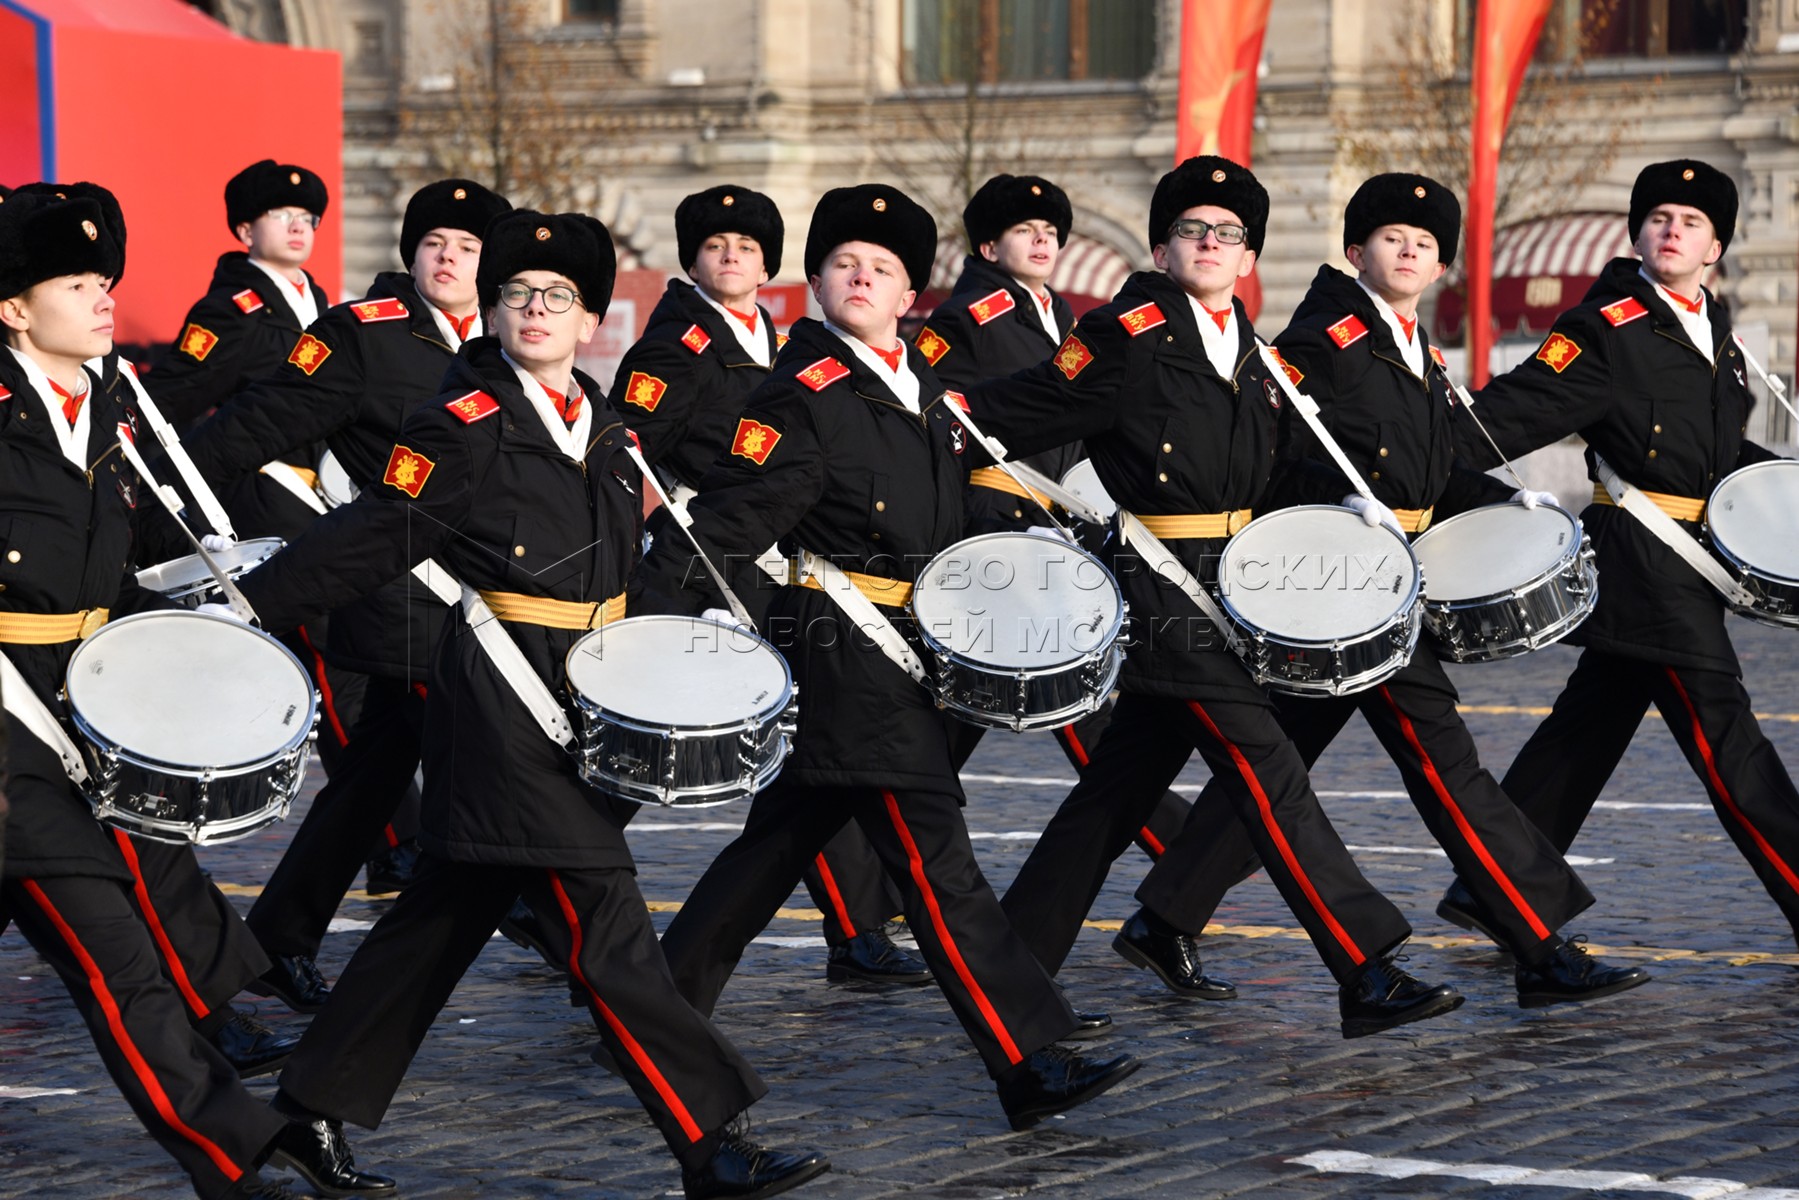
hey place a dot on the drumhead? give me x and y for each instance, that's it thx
(190, 690)
(679, 672)
(1083, 481)
(1491, 550)
(334, 488)
(185, 572)
(1753, 516)
(1317, 573)
(1017, 601)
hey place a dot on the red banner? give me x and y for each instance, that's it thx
(1221, 49)
(1505, 37)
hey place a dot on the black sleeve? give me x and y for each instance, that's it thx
(1071, 395)
(655, 392)
(1305, 471)
(1562, 389)
(207, 358)
(958, 362)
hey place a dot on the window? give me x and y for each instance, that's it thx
(603, 11)
(1027, 41)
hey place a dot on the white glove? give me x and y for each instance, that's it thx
(1050, 531)
(221, 610)
(1372, 512)
(1530, 499)
(726, 617)
(216, 543)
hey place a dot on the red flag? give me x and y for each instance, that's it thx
(1505, 37)
(1221, 49)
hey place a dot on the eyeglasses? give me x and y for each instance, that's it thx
(1229, 235)
(556, 298)
(287, 216)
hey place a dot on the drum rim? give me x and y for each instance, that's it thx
(788, 694)
(206, 581)
(1414, 597)
(1581, 544)
(1724, 550)
(1115, 631)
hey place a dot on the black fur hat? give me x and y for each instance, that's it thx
(1401, 199)
(269, 184)
(447, 204)
(574, 245)
(879, 213)
(1686, 181)
(1008, 200)
(43, 235)
(729, 209)
(1208, 179)
(114, 216)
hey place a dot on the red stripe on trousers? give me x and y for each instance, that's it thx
(330, 701)
(632, 1046)
(1717, 782)
(115, 1022)
(1280, 839)
(916, 860)
(1461, 822)
(841, 909)
(1151, 842)
(153, 919)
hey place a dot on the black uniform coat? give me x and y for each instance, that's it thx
(67, 537)
(988, 327)
(1667, 420)
(851, 474)
(1397, 428)
(382, 356)
(681, 392)
(1167, 435)
(497, 790)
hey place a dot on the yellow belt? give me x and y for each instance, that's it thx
(889, 593)
(1196, 525)
(999, 481)
(1681, 508)
(1414, 520)
(48, 629)
(554, 614)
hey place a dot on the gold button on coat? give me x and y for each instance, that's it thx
(518, 552)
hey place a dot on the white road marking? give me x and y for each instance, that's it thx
(11, 1092)
(1574, 860)
(1349, 1162)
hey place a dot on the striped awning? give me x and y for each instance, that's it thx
(1540, 267)
(1085, 268)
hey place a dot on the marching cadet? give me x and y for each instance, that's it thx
(128, 925)
(518, 479)
(1646, 369)
(681, 388)
(1356, 347)
(850, 454)
(1182, 423)
(352, 378)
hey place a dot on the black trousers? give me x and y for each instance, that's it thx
(353, 810)
(1519, 877)
(1564, 766)
(689, 1078)
(1007, 1004)
(1263, 782)
(107, 950)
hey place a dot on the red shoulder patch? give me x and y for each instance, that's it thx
(780, 341)
(1437, 357)
(1073, 357)
(1624, 311)
(247, 301)
(1142, 319)
(696, 339)
(1348, 331)
(992, 305)
(754, 441)
(930, 343)
(957, 399)
(407, 470)
(5, 393)
(389, 309)
(309, 353)
(473, 407)
(1294, 374)
(823, 373)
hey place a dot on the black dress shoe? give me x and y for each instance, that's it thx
(522, 928)
(1174, 956)
(872, 957)
(1460, 908)
(391, 870)
(1382, 995)
(252, 1047)
(1054, 1080)
(1092, 1025)
(317, 1152)
(741, 1169)
(295, 981)
(1572, 974)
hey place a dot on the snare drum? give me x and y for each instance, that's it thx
(1083, 481)
(334, 486)
(221, 764)
(1326, 603)
(1025, 630)
(187, 581)
(681, 711)
(1504, 580)
(1752, 519)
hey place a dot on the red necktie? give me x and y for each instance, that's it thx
(748, 318)
(1043, 301)
(891, 357)
(71, 404)
(568, 408)
(460, 324)
(1691, 306)
(1410, 326)
(1220, 316)
(300, 287)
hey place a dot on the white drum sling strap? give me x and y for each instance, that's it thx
(291, 483)
(1161, 560)
(210, 508)
(24, 706)
(510, 662)
(1671, 535)
(860, 609)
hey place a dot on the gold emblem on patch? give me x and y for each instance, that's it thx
(1559, 351)
(309, 353)
(197, 342)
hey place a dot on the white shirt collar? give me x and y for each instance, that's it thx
(1411, 346)
(448, 330)
(1046, 314)
(71, 438)
(753, 341)
(299, 299)
(1221, 344)
(902, 383)
(1696, 325)
(572, 440)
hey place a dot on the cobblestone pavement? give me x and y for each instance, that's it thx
(1685, 1087)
